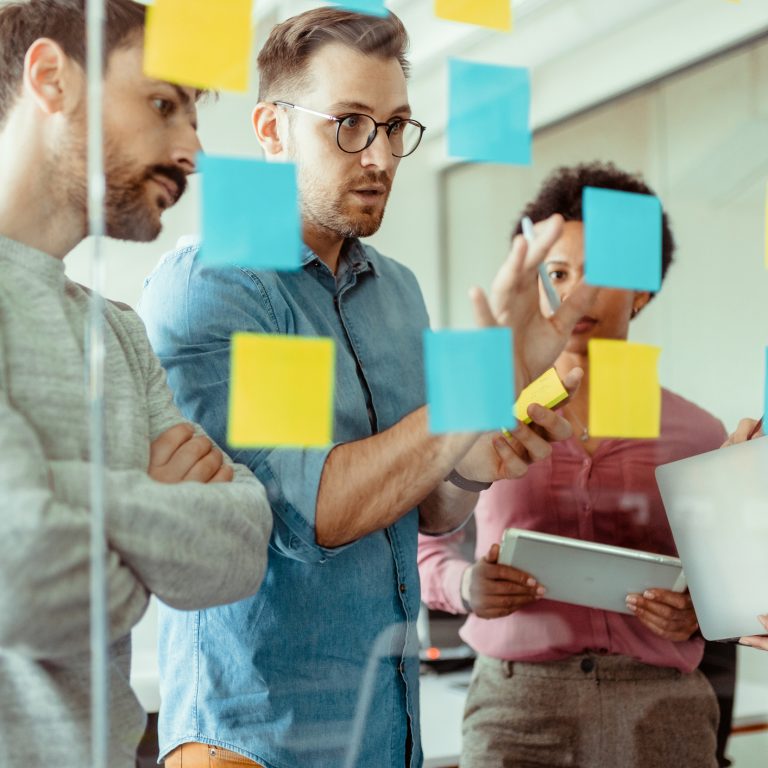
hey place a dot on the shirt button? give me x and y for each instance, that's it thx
(586, 462)
(587, 665)
(403, 587)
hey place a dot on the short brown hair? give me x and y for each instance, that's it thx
(284, 58)
(24, 21)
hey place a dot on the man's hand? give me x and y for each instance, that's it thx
(514, 303)
(757, 641)
(743, 432)
(668, 614)
(494, 590)
(180, 456)
(498, 457)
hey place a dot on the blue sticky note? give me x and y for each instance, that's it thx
(489, 113)
(250, 215)
(622, 239)
(371, 7)
(470, 380)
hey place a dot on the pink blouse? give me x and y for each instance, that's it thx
(609, 497)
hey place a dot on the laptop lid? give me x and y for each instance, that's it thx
(717, 506)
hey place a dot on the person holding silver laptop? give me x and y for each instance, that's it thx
(746, 430)
(558, 684)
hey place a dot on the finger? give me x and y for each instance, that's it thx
(206, 468)
(655, 608)
(487, 589)
(527, 444)
(493, 554)
(225, 475)
(572, 380)
(666, 630)
(755, 641)
(164, 446)
(189, 454)
(553, 426)
(764, 619)
(574, 306)
(547, 233)
(743, 430)
(507, 573)
(680, 600)
(513, 465)
(484, 317)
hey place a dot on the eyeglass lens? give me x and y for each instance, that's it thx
(356, 132)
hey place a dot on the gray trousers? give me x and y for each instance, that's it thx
(588, 711)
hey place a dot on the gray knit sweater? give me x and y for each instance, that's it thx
(193, 545)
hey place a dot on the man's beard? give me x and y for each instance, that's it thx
(130, 213)
(332, 214)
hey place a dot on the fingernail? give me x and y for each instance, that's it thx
(541, 591)
(531, 582)
(648, 595)
(631, 600)
(742, 641)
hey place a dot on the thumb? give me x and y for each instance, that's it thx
(493, 554)
(484, 317)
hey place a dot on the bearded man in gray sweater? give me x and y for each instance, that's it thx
(182, 521)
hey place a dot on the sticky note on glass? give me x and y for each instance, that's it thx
(495, 14)
(489, 113)
(281, 391)
(200, 43)
(469, 376)
(622, 239)
(624, 389)
(371, 7)
(547, 390)
(250, 213)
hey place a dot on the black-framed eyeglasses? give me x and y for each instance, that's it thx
(356, 132)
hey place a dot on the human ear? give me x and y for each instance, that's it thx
(640, 300)
(267, 128)
(48, 76)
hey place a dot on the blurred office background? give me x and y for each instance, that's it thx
(674, 89)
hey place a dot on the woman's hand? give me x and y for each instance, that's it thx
(757, 641)
(667, 614)
(492, 590)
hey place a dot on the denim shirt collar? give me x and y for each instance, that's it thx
(352, 250)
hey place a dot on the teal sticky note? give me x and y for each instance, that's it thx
(371, 7)
(470, 380)
(489, 113)
(622, 239)
(250, 213)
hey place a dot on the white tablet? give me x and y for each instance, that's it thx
(587, 573)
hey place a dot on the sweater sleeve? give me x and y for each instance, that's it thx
(44, 568)
(441, 567)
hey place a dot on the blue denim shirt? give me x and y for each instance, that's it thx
(324, 659)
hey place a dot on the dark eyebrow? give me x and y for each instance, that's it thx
(356, 106)
(557, 261)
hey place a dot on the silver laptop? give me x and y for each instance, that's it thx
(717, 505)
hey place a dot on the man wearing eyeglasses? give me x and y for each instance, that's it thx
(320, 668)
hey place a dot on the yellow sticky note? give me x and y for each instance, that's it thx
(547, 390)
(204, 44)
(624, 389)
(281, 391)
(496, 14)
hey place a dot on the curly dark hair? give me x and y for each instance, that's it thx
(561, 193)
